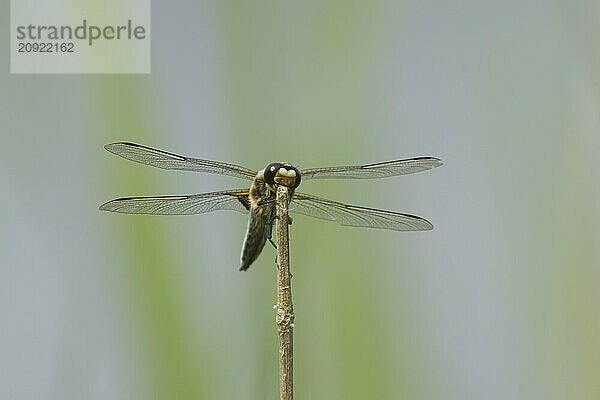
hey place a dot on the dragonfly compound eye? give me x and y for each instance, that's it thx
(287, 175)
(270, 172)
(298, 176)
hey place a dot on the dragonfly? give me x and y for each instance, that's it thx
(258, 200)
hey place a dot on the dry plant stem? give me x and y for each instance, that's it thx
(285, 310)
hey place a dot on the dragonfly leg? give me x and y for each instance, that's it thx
(273, 243)
(266, 201)
(270, 234)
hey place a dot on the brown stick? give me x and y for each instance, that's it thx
(285, 309)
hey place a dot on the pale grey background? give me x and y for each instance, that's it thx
(499, 301)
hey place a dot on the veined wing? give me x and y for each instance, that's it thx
(349, 215)
(165, 160)
(236, 200)
(377, 170)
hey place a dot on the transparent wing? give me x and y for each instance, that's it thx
(236, 200)
(377, 170)
(165, 160)
(349, 215)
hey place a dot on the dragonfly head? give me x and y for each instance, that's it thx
(282, 174)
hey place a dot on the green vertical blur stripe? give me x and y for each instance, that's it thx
(296, 71)
(174, 366)
(575, 329)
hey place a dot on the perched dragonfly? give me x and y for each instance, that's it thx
(259, 199)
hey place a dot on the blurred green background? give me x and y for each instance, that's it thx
(500, 301)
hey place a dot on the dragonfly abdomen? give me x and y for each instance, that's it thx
(259, 228)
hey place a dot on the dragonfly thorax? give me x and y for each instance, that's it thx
(282, 174)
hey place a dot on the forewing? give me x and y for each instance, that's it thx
(377, 170)
(236, 200)
(349, 215)
(165, 160)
